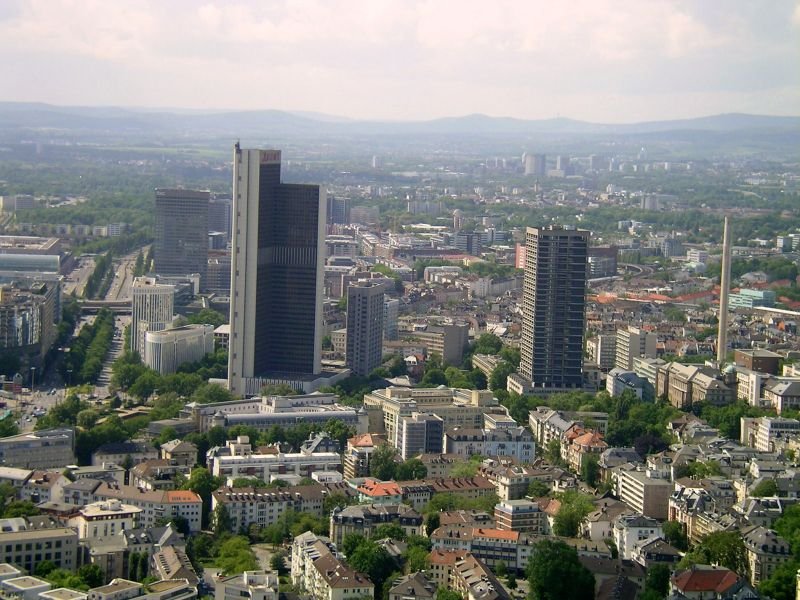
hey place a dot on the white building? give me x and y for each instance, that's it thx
(250, 585)
(516, 442)
(104, 519)
(633, 342)
(151, 309)
(165, 351)
(630, 531)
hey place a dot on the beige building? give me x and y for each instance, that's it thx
(766, 551)
(685, 385)
(363, 519)
(323, 576)
(645, 495)
(155, 504)
(632, 343)
(27, 541)
(104, 519)
(43, 449)
(456, 407)
(520, 515)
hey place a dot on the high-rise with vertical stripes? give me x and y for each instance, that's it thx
(277, 259)
(554, 303)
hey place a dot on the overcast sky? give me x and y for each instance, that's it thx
(597, 60)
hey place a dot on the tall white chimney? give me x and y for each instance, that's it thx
(724, 288)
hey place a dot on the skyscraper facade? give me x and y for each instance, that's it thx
(181, 244)
(338, 210)
(152, 305)
(364, 327)
(554, 299)
(278, 253)
(219, 215)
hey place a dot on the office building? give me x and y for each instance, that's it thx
(420, 434)
(364, 327)
(632, 343)
(250, 585)
(151, 309)
(26, 541)
(338, 210)
(43, 449)
(218, 275)
(219, 215)
(181, 244)
(554, 295)
(391, 311)
(29, 316)
(277, 263)
(536, 165)
(165, 351)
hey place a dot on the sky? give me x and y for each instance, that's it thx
(606, 61)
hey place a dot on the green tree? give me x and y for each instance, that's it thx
(235, 556)
(203, 483)
(382, 464)
(447, 594)
(675, 535)
(538, 489)
(431, 523)
(488, 343)
(766, 488)
(724, 548)
(590, 470)
(278, 563)
(372, 559)
(511, 581)
(44, 568)
(782, 584)
(389, 530)
(658, 579)
(574, 508)
(500, 569)
(410, 470)
(499, 375)
(92, 575)
(554, 572)
(221, 521)
(278, 389)
(416, 559)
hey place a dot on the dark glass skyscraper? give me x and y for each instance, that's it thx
(181, 244)
(276, 274)
(554, 304)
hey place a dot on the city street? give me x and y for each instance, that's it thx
(76, 280)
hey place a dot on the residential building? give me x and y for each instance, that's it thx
(250, 585)
(26, 541)
(554, 295)
(630, 531)
(316, 568)
(578, 444)
(632, 343)
(181, 232)
(365, 306)
(448, 341)
(516, 443)
(171, 562)
(165, 351)
(363, 519)
(117, 452)
(29, 315)
(645, 495)
(43, 486)
(152, 307)
(265, 506)
(157, 474)
(154, 505)
(103, 519)
(685, 385)
(358, 452)
(277, 261)
(420, 433)
(179, 452)
(520, 515)
(415, 586)
(782, 394)
(766, 551)
(704, 581)
(43, 449)
(474, 581)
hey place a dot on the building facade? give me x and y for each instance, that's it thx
(277, 261)
(181, 240)
(364, 327)
(152, 307)
(165, 351)
(554, 294)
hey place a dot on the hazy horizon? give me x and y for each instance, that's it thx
(596, 61)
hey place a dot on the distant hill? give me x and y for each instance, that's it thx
(80, 119)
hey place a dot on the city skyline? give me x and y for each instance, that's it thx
(594, 61)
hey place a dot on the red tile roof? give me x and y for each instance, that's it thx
(705, 579)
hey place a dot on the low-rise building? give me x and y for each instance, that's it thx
(318, 570)
(26, 542)
(645, 495)
(363, 519)
(415, 586)
(156, 505)
(120, 453)
(43, 449)
(25, 587)
(165, 351)
(250, 585)
(516, 443)
(474, 581)
(520, 515)
(103, 519)
(179, 452)
(633, 530)
(766, 551)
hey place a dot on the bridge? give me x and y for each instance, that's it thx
(118, 307)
